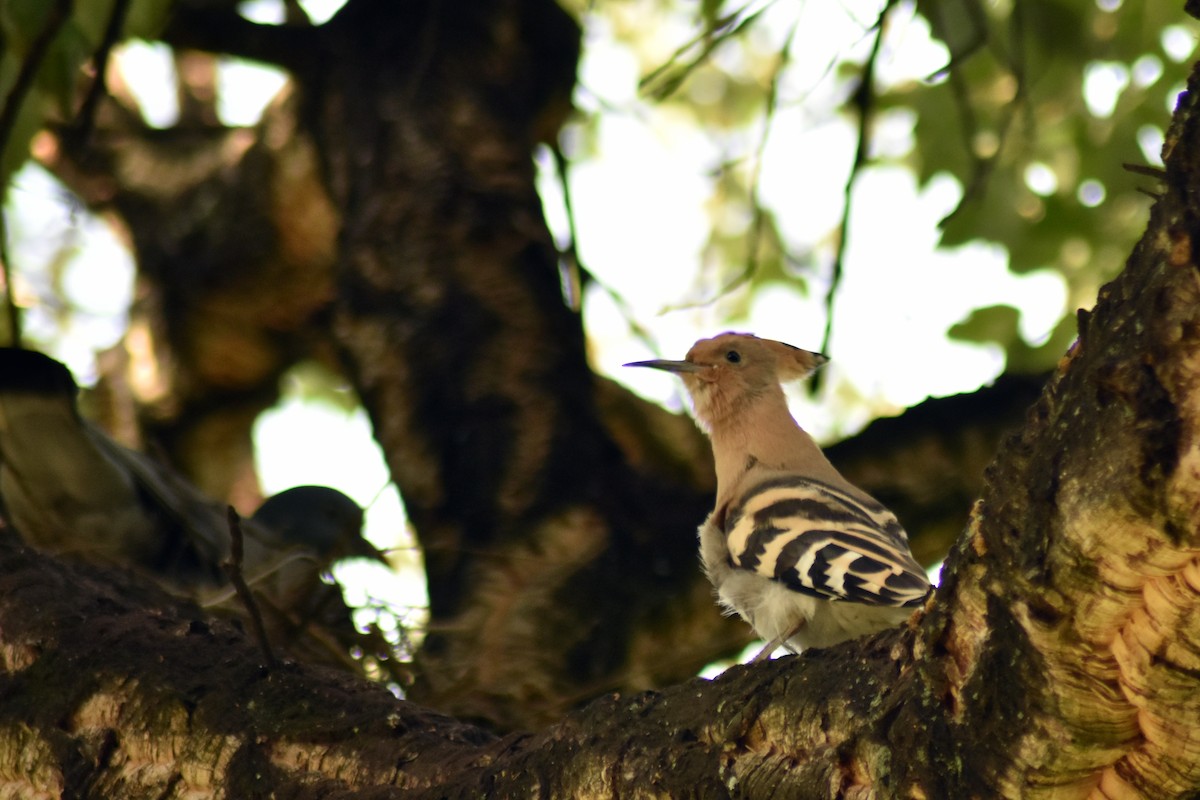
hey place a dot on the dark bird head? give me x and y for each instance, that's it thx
(318, 517)
(29, 371)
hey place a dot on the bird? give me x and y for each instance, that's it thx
(62, 486)
(805, 557)
(319, 517)
(305, 530)
(69, 489)
(301, 531)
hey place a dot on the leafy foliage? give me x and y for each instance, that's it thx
(1032, 107)
(69, 40)
(1034, 111)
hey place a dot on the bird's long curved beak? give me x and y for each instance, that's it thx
(669, 366)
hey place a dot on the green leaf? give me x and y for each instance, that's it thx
(146, 18)
(1000, 325)
(996, 324)
(60, 77)
(23, 21)
(27, 123)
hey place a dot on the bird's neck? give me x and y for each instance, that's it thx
(764, 437)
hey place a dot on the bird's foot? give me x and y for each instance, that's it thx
(776, 643)
(765, 653)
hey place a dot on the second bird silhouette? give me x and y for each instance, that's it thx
(67, 488)
(803, 555)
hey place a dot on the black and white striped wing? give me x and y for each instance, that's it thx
(822, 541)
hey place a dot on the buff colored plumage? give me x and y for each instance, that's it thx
(803, 555)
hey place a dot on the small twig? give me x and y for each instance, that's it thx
(577, 275)
(275, 566)
(984, 165)
(758, 222)
(864, 99)
(233, 567)
(756, 227)
(1016, 64)
(7, 275)
(981, 166)
(662, 82)
(85, 120)
(572, 278)
(979, 37)
(1158, 173)
(55, 19)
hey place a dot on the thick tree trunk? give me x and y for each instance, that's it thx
(235, 239)
(451, 320)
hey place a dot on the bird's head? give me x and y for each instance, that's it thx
(31, 372)
(725, 373)
(32, 383)
(320, 518)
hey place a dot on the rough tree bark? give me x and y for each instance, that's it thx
(556, 511)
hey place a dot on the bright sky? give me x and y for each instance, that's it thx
(640, 211)
(900, 294)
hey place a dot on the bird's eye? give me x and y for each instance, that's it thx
(733, 356)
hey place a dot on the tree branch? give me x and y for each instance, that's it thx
(85, 120)
(56, 17)
(71, 640)
(293, 47)
(863, 100)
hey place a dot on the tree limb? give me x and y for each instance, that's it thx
(223, 30)
(85, 120)
(113, 699)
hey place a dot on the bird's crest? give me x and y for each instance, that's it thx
(790, 363)
(793, 363)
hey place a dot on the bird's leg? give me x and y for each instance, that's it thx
(776, 643)
(765, 653)
(790, 537)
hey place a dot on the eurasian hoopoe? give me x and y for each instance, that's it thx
(804, 556)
